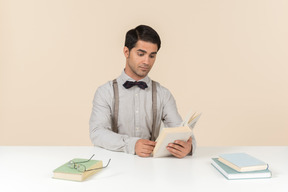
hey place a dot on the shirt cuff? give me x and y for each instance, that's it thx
(130, 145)
(194, 143)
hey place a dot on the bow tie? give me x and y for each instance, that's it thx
(140, 84)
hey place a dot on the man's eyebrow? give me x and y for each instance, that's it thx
(143, 51)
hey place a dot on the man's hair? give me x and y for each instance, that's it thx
(144, 33)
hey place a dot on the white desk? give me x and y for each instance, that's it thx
(30, 169)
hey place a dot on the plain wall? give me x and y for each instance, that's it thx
(226, 59)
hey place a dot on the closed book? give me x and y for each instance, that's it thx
(231, 174)
(67, 173)
(242, 162)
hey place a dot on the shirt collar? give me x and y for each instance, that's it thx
(124, 77)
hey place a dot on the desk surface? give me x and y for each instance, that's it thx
(30, 168)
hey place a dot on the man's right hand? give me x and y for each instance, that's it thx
(144, 147)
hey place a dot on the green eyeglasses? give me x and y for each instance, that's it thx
(82, 168)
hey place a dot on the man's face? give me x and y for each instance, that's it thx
(140, 59)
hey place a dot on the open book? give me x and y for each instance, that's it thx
(169, 135)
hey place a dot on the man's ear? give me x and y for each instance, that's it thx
(126, 52)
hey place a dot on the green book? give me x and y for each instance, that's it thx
(67, 172)
(230, 173)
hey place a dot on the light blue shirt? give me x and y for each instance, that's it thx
(135, 114)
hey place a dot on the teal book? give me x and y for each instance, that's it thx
(242, 162)
(67, 172)
(231, 174)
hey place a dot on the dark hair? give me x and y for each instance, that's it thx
(144, 33)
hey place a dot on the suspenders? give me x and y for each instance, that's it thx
(116, 108)
(154, 108)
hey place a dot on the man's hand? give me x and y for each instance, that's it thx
(180, 148)
(144, 147)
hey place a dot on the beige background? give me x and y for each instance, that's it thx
(226, 59)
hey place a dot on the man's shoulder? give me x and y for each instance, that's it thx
(162, 90)
(106, 85)
(105, 88)
(160, 86)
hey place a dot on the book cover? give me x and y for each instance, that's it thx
(169, 135)
(67, 173)
(231, 174)
(242, 162)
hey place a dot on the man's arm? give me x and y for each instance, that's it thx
(171, 118)
(101, 133)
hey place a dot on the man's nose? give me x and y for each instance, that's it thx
(147, 60)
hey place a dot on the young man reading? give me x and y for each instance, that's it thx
(134, 123)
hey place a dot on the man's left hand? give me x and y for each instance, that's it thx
(180, 148)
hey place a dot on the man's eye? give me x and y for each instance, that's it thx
(140, 54)
(152, 56)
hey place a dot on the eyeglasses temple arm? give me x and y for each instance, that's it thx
(100, 167)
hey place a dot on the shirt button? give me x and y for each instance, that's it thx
(136, 111)
(137, 128)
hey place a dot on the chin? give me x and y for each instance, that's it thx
(143, 75)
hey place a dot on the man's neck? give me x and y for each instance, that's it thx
(134, 77)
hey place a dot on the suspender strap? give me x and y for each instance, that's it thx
(116, 107)
(154, 108)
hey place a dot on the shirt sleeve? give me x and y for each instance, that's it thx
(100, 125)
(170, 115)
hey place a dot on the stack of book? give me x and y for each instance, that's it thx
(241, 166)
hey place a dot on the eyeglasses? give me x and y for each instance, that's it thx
(82, 168)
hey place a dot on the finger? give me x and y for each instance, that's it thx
(146, 150)
(147, 146)
(148, 142)
(143, 152)
(187, 147)
(144, 155)
(175, 152)
(176, 146)
(182, 143)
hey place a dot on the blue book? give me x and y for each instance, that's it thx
(242, 162)
(230, 173)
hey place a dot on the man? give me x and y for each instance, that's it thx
(134, 126)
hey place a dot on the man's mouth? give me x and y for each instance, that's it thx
(144, 68)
